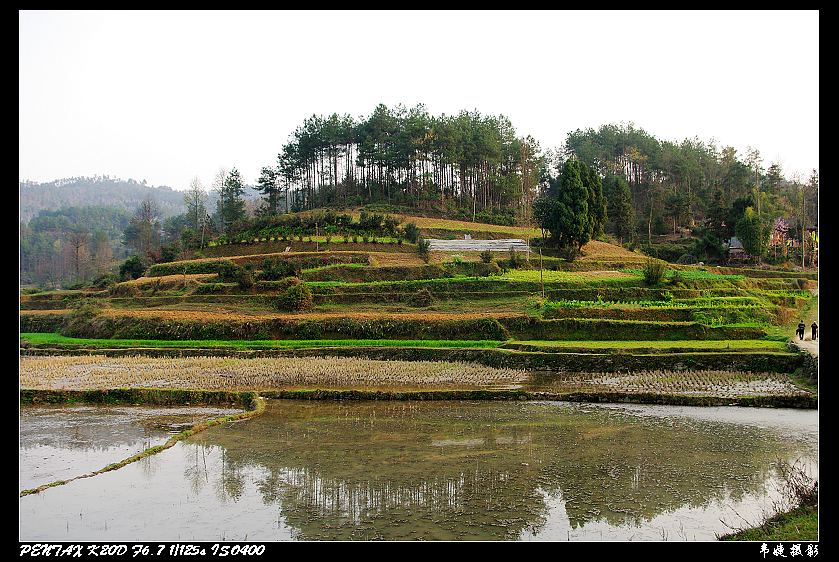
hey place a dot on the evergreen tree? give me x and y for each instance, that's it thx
(619, 206)
(566, 215)
(718, 215)
(677, 207)
(231, 206)
(268, 185)
(596, 201)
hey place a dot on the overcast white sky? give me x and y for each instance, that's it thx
(166, 96)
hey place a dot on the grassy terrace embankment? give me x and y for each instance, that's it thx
(381, 302)
(199, 325)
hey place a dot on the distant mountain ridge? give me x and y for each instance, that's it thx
(95, 191)
(104, 191)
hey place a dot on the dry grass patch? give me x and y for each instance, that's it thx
(56, 311)
(395, 259)
(601, 251)
(166, 280)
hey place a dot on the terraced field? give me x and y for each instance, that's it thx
(592, 324)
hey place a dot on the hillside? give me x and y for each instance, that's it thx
(594, 325)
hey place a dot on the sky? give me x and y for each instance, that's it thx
(168, 96)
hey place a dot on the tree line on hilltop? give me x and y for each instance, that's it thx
(616, 180)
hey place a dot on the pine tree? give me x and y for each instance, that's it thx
(619, 205)
(231, 206)
(718, 214)
(268, 185)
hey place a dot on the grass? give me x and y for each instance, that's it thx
(551, 276)
(659, 344)
(58, 339)
(800, 524)
(690, 275)
(809, 313)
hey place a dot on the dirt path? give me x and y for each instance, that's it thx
(807, 343)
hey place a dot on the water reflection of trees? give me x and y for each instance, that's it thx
(452, 470)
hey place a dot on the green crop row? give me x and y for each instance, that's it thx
(56, 339)
(520, 327)
(189, 267)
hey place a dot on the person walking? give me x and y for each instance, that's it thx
(800, 330)
(815, 328)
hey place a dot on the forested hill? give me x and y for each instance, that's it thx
(96, 191)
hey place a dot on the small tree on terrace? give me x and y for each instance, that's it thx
(231, 206)
(269, 186)
(565, 211)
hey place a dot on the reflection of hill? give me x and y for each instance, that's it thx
(451, 470)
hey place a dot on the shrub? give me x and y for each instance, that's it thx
(85, 309)
(273, 270)
(296, 298)
(422, 298)
(423, 246)
(132, 268)
(653, 272)
(245, 279)
(228, 271)
(486, 256)
(189, 267)
(412, 232)
(516, 261)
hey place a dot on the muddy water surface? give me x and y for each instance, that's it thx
(61, 442)
(444, 470)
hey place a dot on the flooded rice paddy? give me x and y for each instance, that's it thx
(62, 442)
(440, 470)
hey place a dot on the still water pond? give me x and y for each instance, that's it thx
(443, 470)
(61, 442)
